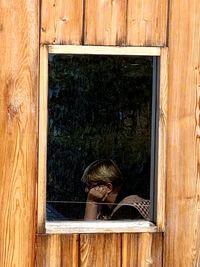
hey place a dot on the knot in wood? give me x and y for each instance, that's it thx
(15, 106)
(65, 19)
(12, 110)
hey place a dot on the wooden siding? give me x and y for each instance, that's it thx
(183, 149)
(62, 21)
(147, 22)
(19, 35)
(160, 187)
(19, 29)
(42, 142)
(104, 22)
(57, 251)
(142, 250)
(99, 250)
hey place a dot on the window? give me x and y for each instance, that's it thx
(102, 103)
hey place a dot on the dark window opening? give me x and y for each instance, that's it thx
(99, 107)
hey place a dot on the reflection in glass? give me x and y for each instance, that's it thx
(98, 107)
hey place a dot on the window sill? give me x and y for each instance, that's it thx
(139, 226)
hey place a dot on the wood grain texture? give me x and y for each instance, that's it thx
(57, 250)
(130, 250)
(105, 22)
(104, 50)
(162, 144)
(157, 250)
(100, 250)
(69, 227)
(183, 156)
(145, 250)
(19, 48)
(198, 239)
(142, 250)
(61, 21)
(150, 250)
(147, 22)
(42, 142)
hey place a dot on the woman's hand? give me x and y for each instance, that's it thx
(98, 194)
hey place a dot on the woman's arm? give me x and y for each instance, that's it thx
(90, 210)
(95, 196)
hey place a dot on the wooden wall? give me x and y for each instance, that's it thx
(98, 22)
(104, 22)
(182, 235)
(100, 250)
(19, 50)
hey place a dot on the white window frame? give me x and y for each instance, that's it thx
(135, 226)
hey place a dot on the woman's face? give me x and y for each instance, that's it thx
(90, 185)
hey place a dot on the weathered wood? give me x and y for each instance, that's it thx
(183, 157)
(145, 250)
(147, 22)
(142, 250)
(62, 22)
(70, 250)
(198, 239)
(129, 250)
(18, 121)
(57, 250)
(157, 250)
(41, 250)
(162, 143)
(137, 226)
(100, 250)
(104, 50)
(105, 22)
(42, 140)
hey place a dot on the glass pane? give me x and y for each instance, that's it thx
(99, 107)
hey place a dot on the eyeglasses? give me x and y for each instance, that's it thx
(91, 185)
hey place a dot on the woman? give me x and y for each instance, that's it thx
(107, 198)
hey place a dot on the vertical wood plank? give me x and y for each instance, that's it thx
(49, 251)
(62, 22)
(142, 250)
(57, 250)
(161, 179)
(157, 250)
(198, 239)
(183, 172)
(42, 142)
(147, 22)
(70, 250)
(19, 22)
(41, 250)
(100, 250)
(145, 250)
(129, 250)
(105, 22)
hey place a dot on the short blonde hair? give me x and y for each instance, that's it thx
(105, 171)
